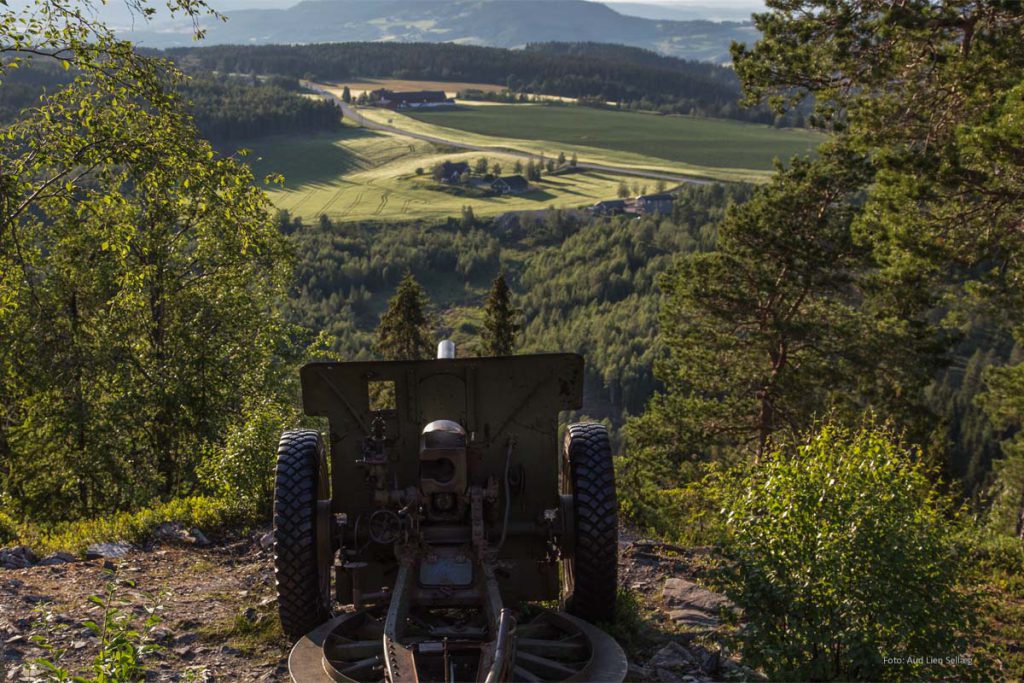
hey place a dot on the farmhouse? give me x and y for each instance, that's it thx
(418, 99)
(451, 171)
(512, 184)
(609, 207)
(654, 203)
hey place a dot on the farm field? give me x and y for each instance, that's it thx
(451, 89)
(358, 87)
(710, 143)
(360, 174)
(716, 143)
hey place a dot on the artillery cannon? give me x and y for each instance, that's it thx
(417, 547)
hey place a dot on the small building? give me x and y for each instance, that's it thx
(417, 99)
(510, 184)
(655, 204)
(609, 207)
(451, 171)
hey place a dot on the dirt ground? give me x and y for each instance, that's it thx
(216, 609)
(218, 616)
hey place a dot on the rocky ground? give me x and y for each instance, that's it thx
(216, 610)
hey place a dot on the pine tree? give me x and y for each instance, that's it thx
(346, 95)
(498, 336)
(769, 331)
(406, 331)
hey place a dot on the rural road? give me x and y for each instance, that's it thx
(352, 114)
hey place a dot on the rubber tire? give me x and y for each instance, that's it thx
(588, 474)
(301, 479)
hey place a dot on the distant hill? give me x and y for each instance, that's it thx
(498, 23)
(680, 11)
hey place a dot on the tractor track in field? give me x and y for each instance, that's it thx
(352, 114)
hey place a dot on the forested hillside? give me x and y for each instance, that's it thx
(227, 110)
(497, 23)
(635, 77)
(581, 285)
(224, 109)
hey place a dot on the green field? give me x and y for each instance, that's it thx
(360, 174)
(712, 143)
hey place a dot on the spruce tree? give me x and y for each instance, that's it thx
(498, 336)
(406, 331)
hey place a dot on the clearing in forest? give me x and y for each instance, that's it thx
(359, 174)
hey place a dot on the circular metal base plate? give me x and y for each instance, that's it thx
(539, 640)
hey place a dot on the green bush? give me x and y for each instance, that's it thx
(844, 562)
(208, 514)
(683, 514)
(243, 470)
(8, 529)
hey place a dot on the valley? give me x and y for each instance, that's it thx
(378, 167)
(360, 175)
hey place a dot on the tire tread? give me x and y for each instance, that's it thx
(595, 560)
(300, 605)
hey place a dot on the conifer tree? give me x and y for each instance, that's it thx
(498, 336)
(406, 330)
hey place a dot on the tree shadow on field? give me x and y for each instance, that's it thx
(538, 195)
(305, 159)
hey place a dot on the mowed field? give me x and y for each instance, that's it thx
(451, 88)
(695, 142)
(360, 174)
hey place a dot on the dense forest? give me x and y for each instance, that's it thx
(224, 109)
(583, 285)
(227, 110)
(634, 77)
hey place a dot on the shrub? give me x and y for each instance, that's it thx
(683, 514)
(8, 529)
(134, 527)
(844, 562)
(244, 469)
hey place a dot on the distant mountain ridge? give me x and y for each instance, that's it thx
(686, 11)
(497, 23)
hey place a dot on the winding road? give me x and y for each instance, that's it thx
(352, 114)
